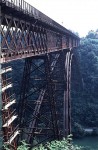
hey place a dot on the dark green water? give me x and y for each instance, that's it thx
(90, 142)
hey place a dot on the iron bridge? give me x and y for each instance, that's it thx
(43, 111)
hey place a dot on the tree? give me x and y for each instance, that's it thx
(91, 34)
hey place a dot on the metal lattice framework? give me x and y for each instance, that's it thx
(28, 34)
(44, 108)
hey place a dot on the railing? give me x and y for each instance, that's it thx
(26, 8)
(22, 5)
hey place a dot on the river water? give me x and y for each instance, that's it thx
(90, 142)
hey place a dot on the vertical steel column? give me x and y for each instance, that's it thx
(1, 138)
(67, 96)
(64, 113)
(69, 102)
(67, 93)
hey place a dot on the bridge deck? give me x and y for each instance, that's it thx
(26, 32)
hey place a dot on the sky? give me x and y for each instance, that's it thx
(77, 15)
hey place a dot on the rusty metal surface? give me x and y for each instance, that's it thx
(27, 9)
(8, 129)
(41, 87)
(25, 34)
(45, 102)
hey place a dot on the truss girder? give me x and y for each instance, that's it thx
(21, 38)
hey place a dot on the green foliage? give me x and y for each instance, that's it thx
(91, 34)
(59, 145)
(85, 103)
(23, 146)
(6, 147)
(65, 144)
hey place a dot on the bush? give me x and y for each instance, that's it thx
(65, 144)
